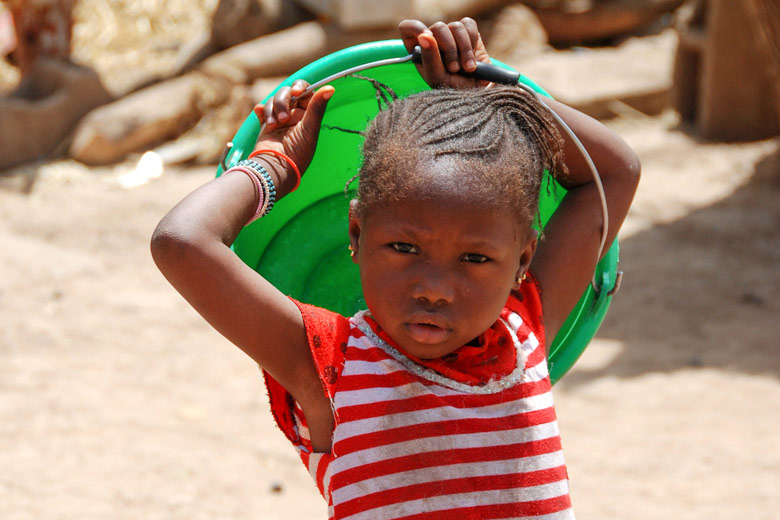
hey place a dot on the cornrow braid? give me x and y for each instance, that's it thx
(380, 90)
(502, 135)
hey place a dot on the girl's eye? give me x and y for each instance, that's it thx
(403, 247)
(475, 258)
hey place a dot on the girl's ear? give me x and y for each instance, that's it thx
(354, 230)
(526, 256)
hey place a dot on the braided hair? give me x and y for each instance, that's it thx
(501, 136)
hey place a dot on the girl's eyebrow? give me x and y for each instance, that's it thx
(470, 244)
(481, 242)
(481, 246)
(405, 229)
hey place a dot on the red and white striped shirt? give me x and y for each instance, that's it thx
(410, 443)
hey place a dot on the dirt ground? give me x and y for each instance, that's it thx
(118, 402)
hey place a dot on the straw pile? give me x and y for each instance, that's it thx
(127, 39)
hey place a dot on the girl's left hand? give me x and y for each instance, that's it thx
(292, 121)
(446, 50)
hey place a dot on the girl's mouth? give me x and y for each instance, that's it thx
(427, 333)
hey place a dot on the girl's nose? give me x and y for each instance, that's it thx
(434, 286)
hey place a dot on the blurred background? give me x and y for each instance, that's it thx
(117, 401)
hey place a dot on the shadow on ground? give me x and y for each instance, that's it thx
(707, 293)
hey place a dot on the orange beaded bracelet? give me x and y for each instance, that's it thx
(286, 158)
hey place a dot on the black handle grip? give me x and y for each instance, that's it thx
(485, 71)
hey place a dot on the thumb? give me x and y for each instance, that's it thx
(301, 142)
(315, 110)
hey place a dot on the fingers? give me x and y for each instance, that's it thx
(432, 65)
(448, 46)
(466, 41)
(280, 109)
(410, 30)
(458, 44)
(297, 135)
(292, 104)
(480, 53)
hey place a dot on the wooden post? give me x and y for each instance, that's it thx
(721, 85)
(765, 15)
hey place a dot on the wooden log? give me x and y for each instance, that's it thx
(578, 23)
(235, 22)
(353, 15)
(238, 21)
(145, 118)
(276, 54)
(431, 11)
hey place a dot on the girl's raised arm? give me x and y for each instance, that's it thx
(566, 257)
(191, 246)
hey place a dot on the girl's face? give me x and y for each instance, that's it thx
(437, 269)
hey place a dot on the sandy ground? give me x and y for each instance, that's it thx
(118, 402)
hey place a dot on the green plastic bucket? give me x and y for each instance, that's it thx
(301, 246)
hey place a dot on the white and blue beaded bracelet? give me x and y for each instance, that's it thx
(269, 189)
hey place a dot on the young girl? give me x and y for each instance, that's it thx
(435, 400)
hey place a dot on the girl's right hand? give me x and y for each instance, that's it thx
(447, 48)
(292, 120)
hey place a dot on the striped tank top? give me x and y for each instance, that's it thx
(410, 443)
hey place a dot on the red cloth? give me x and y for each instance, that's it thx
(489, 357)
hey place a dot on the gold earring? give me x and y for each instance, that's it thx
(351, 250)
(521, 279)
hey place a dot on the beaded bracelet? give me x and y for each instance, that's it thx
(264, 186)
(266, 181)
(259, 190)
(286, 158)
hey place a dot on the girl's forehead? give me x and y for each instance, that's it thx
(426, 191)
(470, 187)
(445, 215)
(473, 182)
(451, 179)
